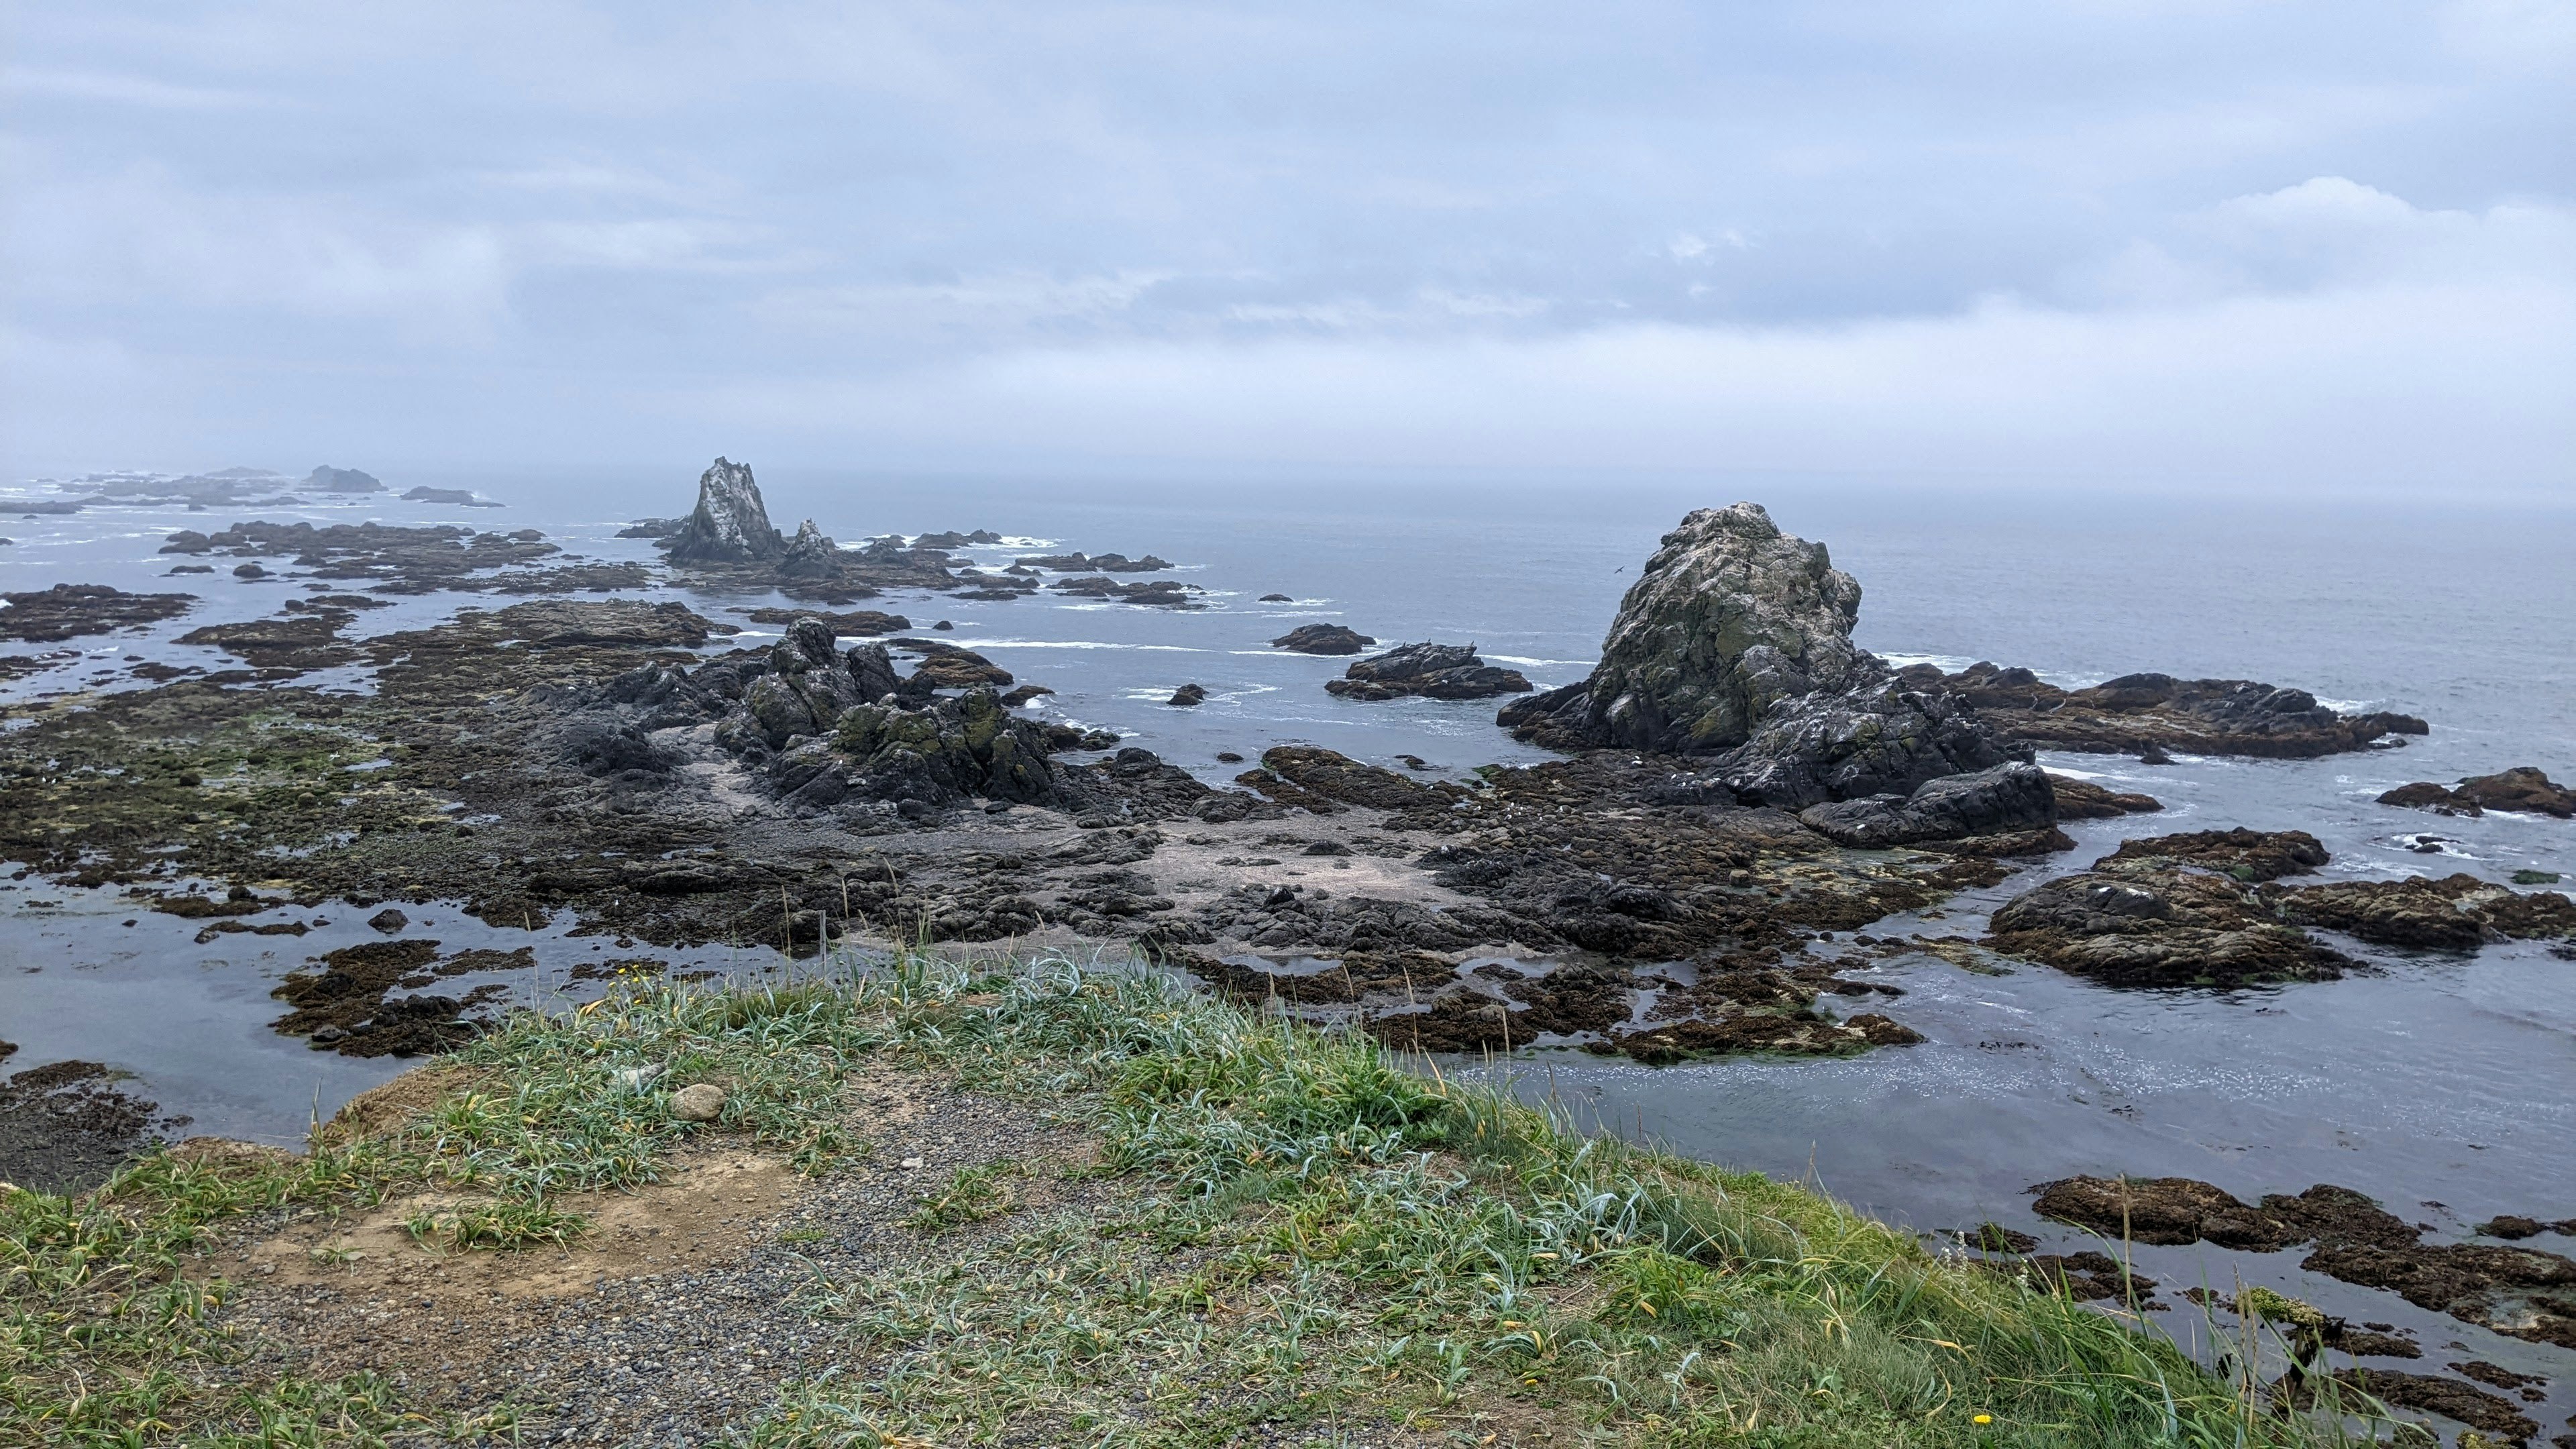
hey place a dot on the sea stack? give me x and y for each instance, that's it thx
(731, 524)
(1735, 642)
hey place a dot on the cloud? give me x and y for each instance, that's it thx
(2012, 235)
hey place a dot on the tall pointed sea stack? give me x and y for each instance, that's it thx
(731, 524)
(1735, 642)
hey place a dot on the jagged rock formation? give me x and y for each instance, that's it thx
(327, 479)
(2522, 788)
(811, 554)
(1433, 671)
(2139, 714)
(1735, 641)
(2009, 798)
(731, 524)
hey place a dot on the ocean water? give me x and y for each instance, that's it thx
(2444, 1085)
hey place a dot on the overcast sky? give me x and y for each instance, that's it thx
(2260, 243)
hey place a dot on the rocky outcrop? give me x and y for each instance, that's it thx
(68, 611)
(1729, 617)
(2139, 713)
(1188, 696)
(811, 554)
(2523, 788)
(1735, 642)
(2522, 1292)
(731, 523)
(1104, 563)
(1323, 639)
(2456, 913)
(327, 479)
(2179, 929)
(1433, 671)
(2006, 799)
(2084, 800)
(2208, 909)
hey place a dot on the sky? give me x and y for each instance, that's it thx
(2272, 244)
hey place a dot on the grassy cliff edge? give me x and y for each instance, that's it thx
(1300, 1239)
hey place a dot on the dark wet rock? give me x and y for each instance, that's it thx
(2084, 800)
(2456, 913)
(1188, 696)
(2090, 1276)
(730, 524)
(404, 560)
(65, 1126)
(854, 624)
(327, 479)
(943, 626)
(2523, 788)
(951, 538)
(2439, 799)
(1432, 671)
(390, 921)
(1281, 599)
(2429, 1393)
(456, 498)
(348, 1006)
(1024, 694)
(2519, 1292)
(2170, 929)
(2242, 854)
(2138, 713)
(653, 528)
(1160, 594)
(310, 639)
(249, 571)
(811, 554)
(1308, 775)
(946, 666)
(1106, 563)
(2164, 1211)
(2498, 1376)
(2007, 798)
(70, 611)
(1323, 639)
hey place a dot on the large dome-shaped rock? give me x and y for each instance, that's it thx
(731, 524)
(1736, 642)
(1730, 616)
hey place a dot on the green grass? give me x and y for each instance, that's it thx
(1301, 1232)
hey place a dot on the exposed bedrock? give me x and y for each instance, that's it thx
(2007, 798)
(1432, 671)
(1735, 642)
(2521, 1292)
(2138, 713)
(731, 523)
(1323, 639)
(2523, 788)
(2209, 908)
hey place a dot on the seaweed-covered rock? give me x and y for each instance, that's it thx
(67, 611)
(730, 524)
(2171, 929)
(2246, 855)
(2456, 913)
(1433, 671)
(945, 752)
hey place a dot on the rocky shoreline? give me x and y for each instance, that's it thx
(1737, 783)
